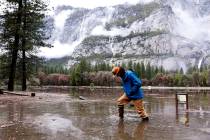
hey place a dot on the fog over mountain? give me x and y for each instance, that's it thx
(170, 33)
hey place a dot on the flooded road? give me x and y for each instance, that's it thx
(54, 116)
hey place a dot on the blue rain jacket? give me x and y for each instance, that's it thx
(132, 85)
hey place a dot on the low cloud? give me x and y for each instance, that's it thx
(190, 24)
(59, 50)
(94, 3)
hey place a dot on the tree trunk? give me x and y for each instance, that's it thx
(13, 68)
(15, 48)
(23, 68)
(24, 76)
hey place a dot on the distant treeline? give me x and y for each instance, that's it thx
(85, 74)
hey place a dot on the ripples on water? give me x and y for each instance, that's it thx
(67, 117)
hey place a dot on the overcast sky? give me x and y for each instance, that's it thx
(93, 3)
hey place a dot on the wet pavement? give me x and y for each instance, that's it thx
(56, 116)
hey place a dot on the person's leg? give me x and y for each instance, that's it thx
(121, 102)
(140, 108)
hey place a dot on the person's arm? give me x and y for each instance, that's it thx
(136, 83)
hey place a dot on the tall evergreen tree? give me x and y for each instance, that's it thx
(148, 71)
(130, 65)
(181, 71)
(10, 35)
(33, 31)
(162, 69)
(138, 69)
(73, 77)
(23, 30)
(156, 70)
(142, 70)
(123, 65)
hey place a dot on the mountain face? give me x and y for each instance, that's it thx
(168, 33)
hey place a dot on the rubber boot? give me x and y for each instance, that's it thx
(145, 119)
(121, 111)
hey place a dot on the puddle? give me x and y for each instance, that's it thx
(53, 123)
(64, 117)
(206, 130)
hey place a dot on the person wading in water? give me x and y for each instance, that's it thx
(132, 91)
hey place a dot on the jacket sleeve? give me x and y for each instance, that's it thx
(135, 83)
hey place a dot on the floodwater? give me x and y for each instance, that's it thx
(60, 116)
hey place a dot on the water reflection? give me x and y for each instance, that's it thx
(183, 118)
(14, 113)
(13, 127)
(182, 108)
(136, 134)
(97, 118)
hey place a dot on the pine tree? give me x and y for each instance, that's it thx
(181, 71)
(142, 70)
(152, 72)
(33, 33)
(23, 30)
(108, 68)
(79, 75)
(89, 67)
(123, 65)
(83, 65)
(156, 70)
(4, 66)
(73, 77)
(10, 36)
(103, 66)
(130, 65)
(138, 69)
(134, 66)
(96, 67)
(148, 71)
(162, 69)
